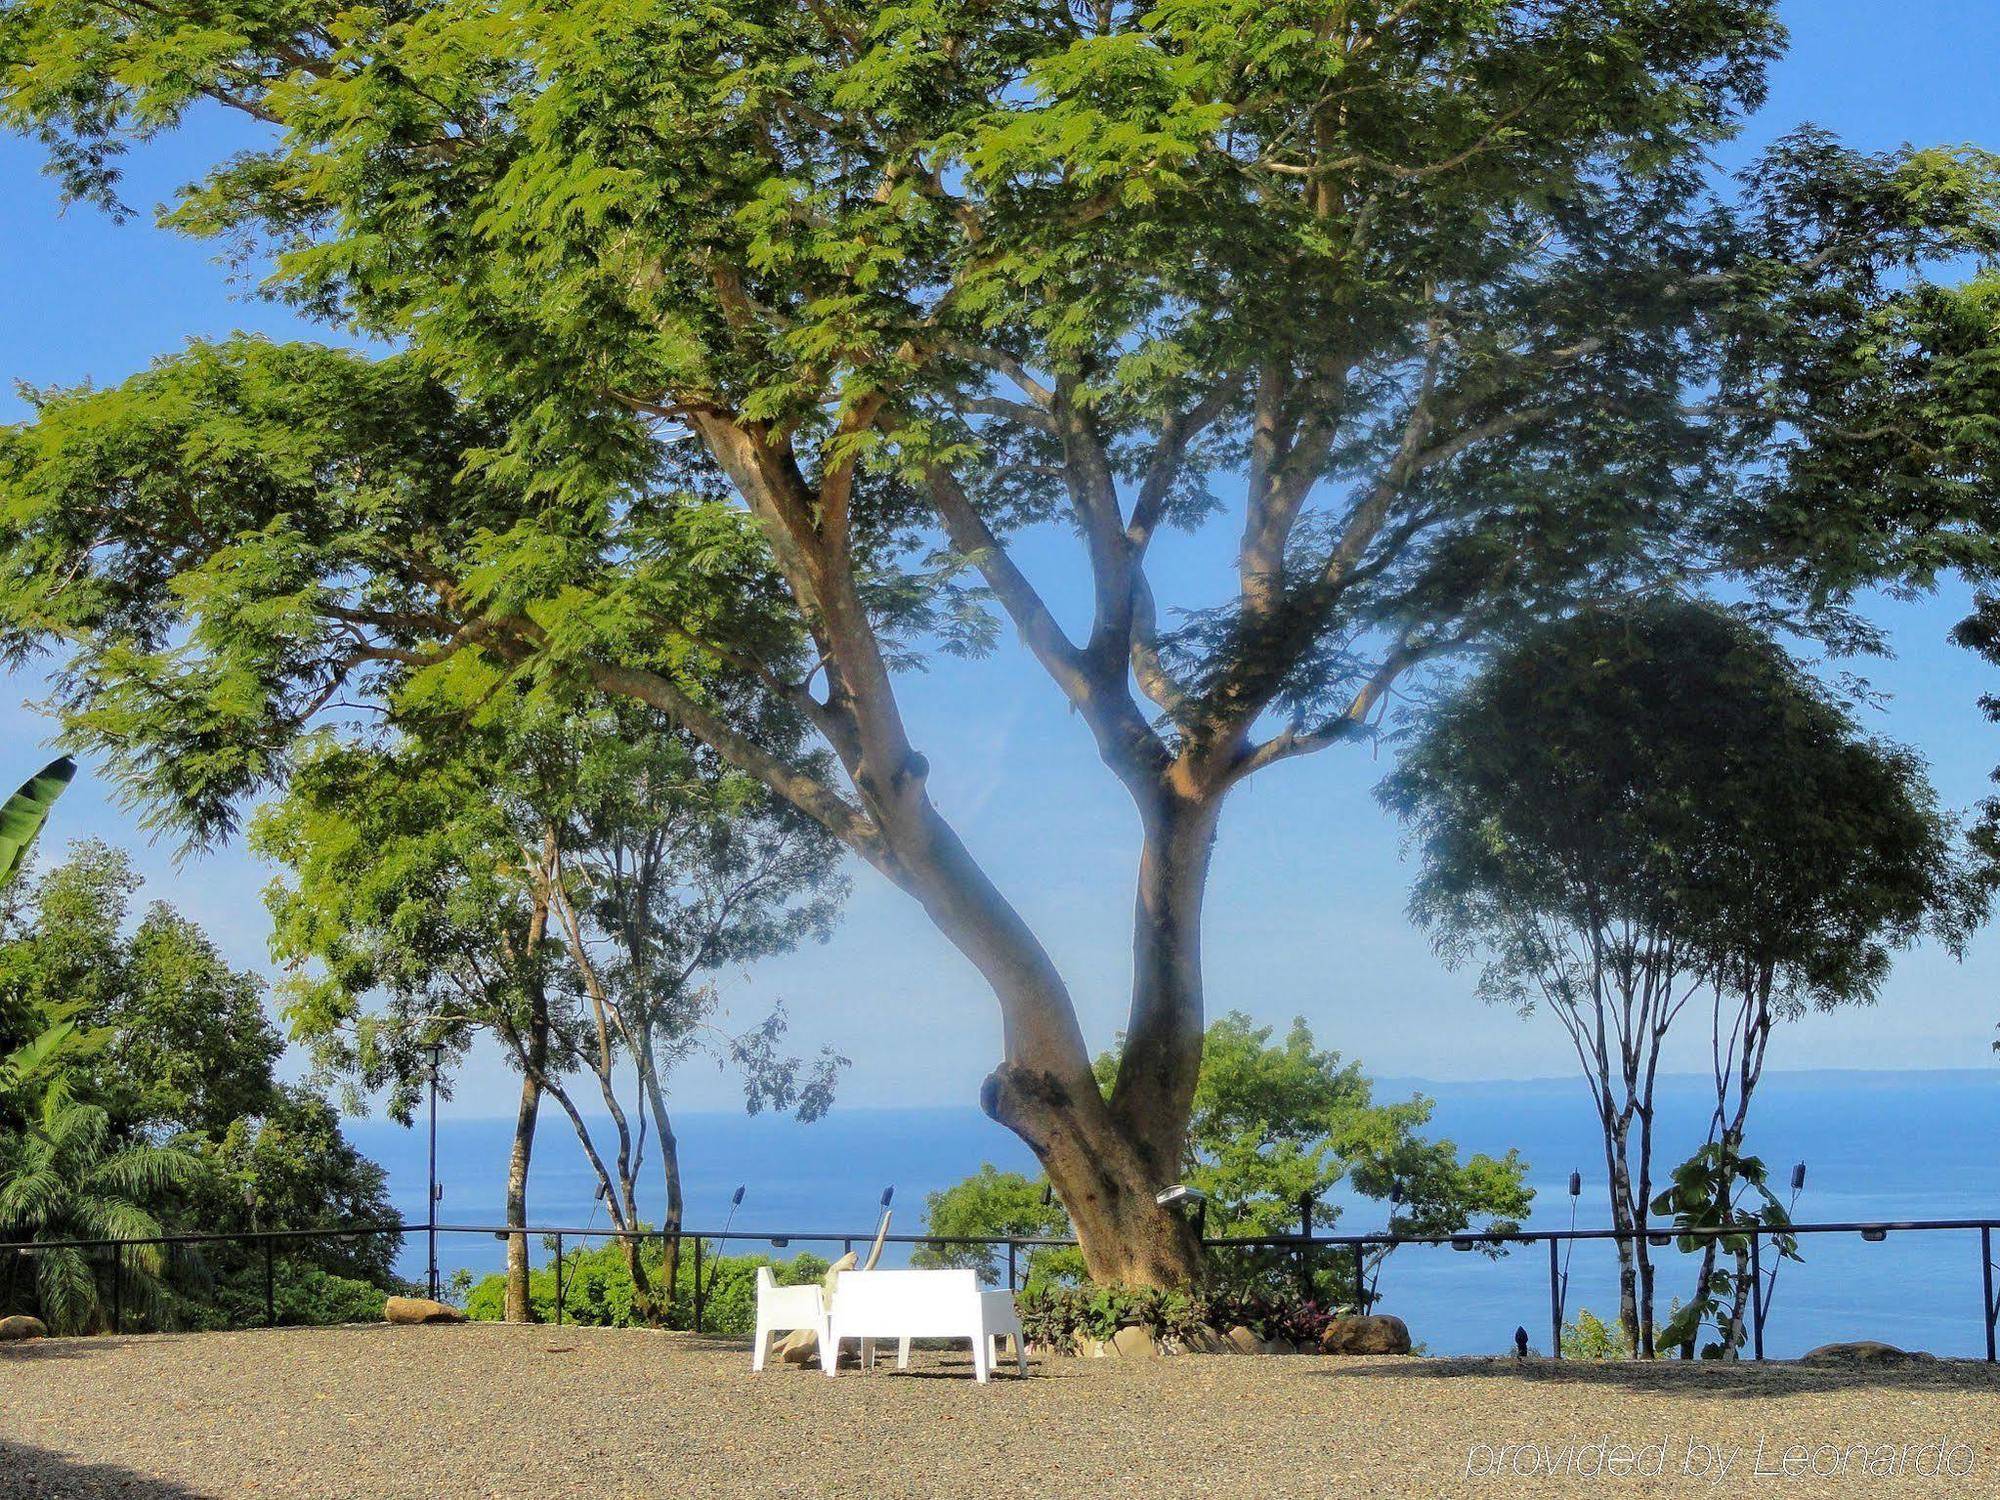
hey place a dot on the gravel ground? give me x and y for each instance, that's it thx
(486, 1410)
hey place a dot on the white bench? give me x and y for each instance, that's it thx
(905, 1305)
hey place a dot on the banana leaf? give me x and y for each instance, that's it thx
(26, 811)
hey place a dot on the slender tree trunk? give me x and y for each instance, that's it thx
(535, 1062)
(519, 1308)
(1616, 1143)
(669, 1147)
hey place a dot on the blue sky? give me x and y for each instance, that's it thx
(1306, 914)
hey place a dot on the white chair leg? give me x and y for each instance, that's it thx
(903, 1354)
(757, 1349)
(829, 1353)
(868, 1354)
(1020, 1354)
(981, 1351)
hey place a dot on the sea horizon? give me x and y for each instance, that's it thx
(1880, 1145)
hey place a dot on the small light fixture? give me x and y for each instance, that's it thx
(1180, 1192)
(887, 1194)
(1799, 1177)
(1875, 1236)
(1659, 1241)
(736, 1198)
(1576, 1184)
(1395, 1191)
(779, 1241)
(1520, 1343)
(1459, 1244)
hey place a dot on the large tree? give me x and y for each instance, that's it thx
(1696, 820)
(739, 335)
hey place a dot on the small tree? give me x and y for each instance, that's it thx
(567, 883)
(1639, 807)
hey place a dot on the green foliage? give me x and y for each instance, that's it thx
(992, 1202)
(1275, 1123)
(68, 1177)
(1272, 1123)
(1688, 781)
(1718, 1188)
(732, 338)
(1062, 1317)
(1588, 1337)
(161, 1114)
(24, 813)
(304, 1296)
(597, 1288)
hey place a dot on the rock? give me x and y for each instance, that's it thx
(13, 1330)
(1243, 1341)
(1280, 1346)
(1205, 1340)
(1862, 1352)
(1375, 1334)
(419, 1310)
(1134, 1343)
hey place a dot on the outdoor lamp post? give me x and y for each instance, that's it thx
(436, 1050)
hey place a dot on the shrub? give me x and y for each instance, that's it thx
(1590, 1337)
(597, 1288)
(1063, 1317)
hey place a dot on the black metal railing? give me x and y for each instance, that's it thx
(1311, 1251)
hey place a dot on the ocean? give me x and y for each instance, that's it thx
(1877, 1146)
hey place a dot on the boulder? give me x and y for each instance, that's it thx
(1862, 1352)
(1205, 1340)
(13, 1330)
(1374, 1334)
(1243, 1341)
(1134, 1343)
(410, 1310)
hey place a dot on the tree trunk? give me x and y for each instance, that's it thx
(1161, 1063)
(670, 1154)
(519, 1308)
(1617, 1142)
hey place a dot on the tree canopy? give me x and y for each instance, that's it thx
(742, 342)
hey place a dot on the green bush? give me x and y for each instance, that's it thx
(1063, 1317)
(597, 1288)
(303, 1295)
(1590, 1337)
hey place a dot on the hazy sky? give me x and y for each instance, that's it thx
(1306, 912)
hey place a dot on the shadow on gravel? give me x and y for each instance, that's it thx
(52, 1349)
(1696, 1379)
(36, 1472)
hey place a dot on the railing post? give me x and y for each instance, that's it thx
(1012, 1262)
(270, 1288)
(697, 1283)
(1305, 1246)
(118, 1288)
(1360, 1278)
(559, 1280)
(1756, 1300)
(1555, 1303)
(1986, 1283)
